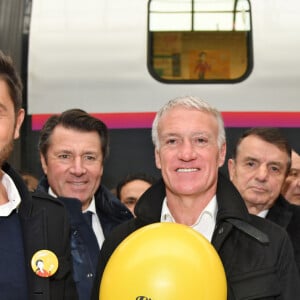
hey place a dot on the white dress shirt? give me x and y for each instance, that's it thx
(205, 223)
(97, 228)
(14, 198)
(263, 213)
(96, 222)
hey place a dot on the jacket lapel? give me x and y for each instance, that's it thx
(230, 206)
(35, 239)
(280, 213)
(34, 236)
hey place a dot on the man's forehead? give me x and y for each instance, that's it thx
(295, 158)
(248, 148)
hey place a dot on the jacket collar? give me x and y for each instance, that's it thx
(26, 202)
(230, 203)
(148, 208)
(281, 212)
(106, 203)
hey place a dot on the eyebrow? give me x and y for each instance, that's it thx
(269, 163)
(2, 106)
(250, 158)
(168, 134)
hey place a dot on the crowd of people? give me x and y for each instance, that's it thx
(68, 224)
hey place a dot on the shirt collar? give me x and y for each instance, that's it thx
(14, 198)
(211, 209)
(263, 213)
(92, 206)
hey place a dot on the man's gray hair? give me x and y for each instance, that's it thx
(189, 102)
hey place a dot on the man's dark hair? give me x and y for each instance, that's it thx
(76, 119)
(131, 177)
(270, 135)
(9, 74)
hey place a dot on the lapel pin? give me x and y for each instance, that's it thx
(44, 263)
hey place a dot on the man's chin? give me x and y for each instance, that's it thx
(76, 195)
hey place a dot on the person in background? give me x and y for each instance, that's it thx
(73, 147)
(132, 187)
(291, 186)
(29, 224)
(258, 168)
(190, 146)
(30, 180)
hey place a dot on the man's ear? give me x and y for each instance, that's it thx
(157, 159)
(19, 120)
(231, 167)
(44, 163)
(222, 155)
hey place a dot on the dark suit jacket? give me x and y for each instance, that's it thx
(256, 253)
(84, 246)
(288, 216)
(45, 225)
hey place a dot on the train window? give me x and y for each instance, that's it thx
(199, 41)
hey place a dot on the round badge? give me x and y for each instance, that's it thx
(44, 263)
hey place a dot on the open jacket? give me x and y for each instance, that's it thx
(287, 216)
(45, 226)
(257, 254)
(84, 246)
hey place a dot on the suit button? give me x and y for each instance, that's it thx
(89, 275)
(221, 230)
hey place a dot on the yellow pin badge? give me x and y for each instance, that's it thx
(44, 263)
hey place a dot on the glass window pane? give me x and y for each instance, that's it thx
(199, 41)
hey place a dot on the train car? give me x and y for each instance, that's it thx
(121, 60)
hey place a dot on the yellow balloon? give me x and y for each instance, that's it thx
(164, 261)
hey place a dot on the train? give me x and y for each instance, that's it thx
(122, 60)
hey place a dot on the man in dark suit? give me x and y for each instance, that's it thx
(258, 168)
(73, 147)
(29, 226)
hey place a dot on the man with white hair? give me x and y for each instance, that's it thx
(189, 139)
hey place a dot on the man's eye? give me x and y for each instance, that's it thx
(64, 156)
(130, 201)
(275, 169)
(294, 174)
(90, 157)
(250, 163)
(171, 141)
(201, 140)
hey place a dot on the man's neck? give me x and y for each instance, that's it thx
(3, 194)
(186, 210)
(257, 210)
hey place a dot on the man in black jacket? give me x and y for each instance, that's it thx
(259, 165)
(73, 147)
(257, 255)
(29, 226)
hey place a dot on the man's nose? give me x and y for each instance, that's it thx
(78, 166)
(187, 151)
(262, 172)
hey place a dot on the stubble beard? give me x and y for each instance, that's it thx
(5, 152)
